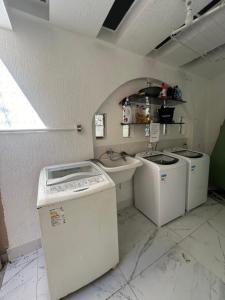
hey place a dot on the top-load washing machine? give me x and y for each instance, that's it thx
(159, 187)
(197, 175)
(78, 217)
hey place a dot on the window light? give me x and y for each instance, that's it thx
(16, 112)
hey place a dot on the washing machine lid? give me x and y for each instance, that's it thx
(71, 181)
(70, 172)
(162, 159)
(188, 153)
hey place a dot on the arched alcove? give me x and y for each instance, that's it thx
(113, 116)
(137, 141)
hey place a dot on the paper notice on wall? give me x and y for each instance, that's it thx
(57, 216)
(154, 132)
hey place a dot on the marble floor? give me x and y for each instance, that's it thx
(183, 260)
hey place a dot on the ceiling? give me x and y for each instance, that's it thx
(144, 27)
(4, 18)
(84, 16)
(38, 8)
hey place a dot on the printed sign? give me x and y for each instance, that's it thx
(154, 132)
(163, 177)
(193, 168)
(57, 216)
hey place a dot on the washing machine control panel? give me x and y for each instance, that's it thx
(76, 185)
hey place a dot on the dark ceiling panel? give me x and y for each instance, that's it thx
(208, 7)
(116, 13)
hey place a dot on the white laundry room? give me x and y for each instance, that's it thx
(112, 160)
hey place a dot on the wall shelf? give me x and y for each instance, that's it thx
(171, 123)
(145, 101)
(135, 123)
(147, 125)
(140, 99)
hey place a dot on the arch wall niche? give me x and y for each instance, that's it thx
(137, 142)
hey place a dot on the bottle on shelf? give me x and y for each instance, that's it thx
(177, 93)
(147, 110)
(133, 109)
(138, 114)
(163, 93)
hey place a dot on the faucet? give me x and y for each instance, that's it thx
(123, 155)
(111, 155)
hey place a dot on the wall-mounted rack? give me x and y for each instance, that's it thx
(149, 96)
(164, 125)
(134, 123)
(164, 129)
(140, 99)
(170, 123)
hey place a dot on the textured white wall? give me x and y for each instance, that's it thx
(66, 77)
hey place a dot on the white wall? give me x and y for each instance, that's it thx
(66, 77)
(215, 108)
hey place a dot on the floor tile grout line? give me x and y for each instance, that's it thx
(16, 288)
(173, 232)
(129, 280)
(179, 244)
(3, 270)
(133, 292)
(214, 228)
(122, 287)
(123, 275)
(164, 254)
(183, 238)
(176, 244)
(18, 272)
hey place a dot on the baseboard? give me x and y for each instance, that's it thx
(4, 258)
(23, 249)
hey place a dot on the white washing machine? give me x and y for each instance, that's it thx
(78, 217)
(159, 187)
(197, 175)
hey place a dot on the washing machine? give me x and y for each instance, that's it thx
(159, 187)
(78, 217)
(197, 175)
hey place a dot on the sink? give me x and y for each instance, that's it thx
(120, 170)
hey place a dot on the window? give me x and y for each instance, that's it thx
(16, 111)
